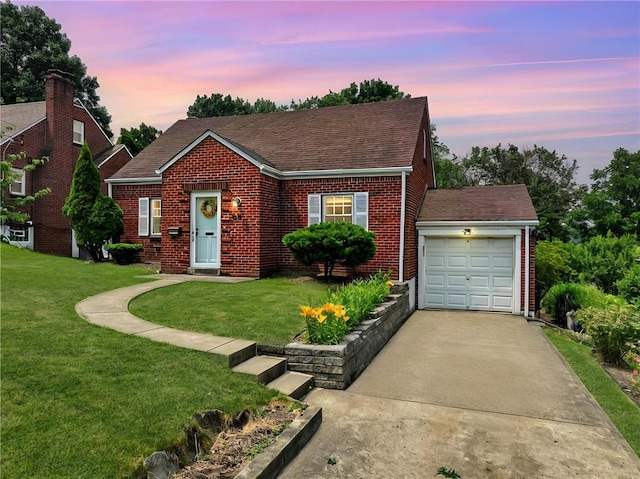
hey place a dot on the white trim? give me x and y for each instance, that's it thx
(153, 180)
(200, 139)
(80, 131)
(17, 133)
(319, 174)
(403, 206)
(514, 232)
(527, 281)
(114, 154)
(192, 228)
(477, 224)
(23, 182)
(109, 190)
(77, 102)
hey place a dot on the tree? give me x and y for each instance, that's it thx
(30, 45)
(550, 180)
(613, 202)
(11, 211)
(449, 169)
(95, 217)
(328, 243)
(137, 139)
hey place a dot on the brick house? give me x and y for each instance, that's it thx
(56, 127)
(216, 195)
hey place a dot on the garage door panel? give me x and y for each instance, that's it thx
(469, 273)
(456, 281)
(479, 301)
(479, 282)
(435, 280)
(502, 282)
(479, 262)
(457, 262)
(459, 300)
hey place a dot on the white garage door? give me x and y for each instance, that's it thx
(469, 273)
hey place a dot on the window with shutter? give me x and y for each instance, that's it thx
(350, 208)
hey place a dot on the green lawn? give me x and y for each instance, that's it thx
(267, 310)
(622, 411)
(80, 401)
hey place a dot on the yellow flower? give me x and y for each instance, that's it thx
(307, 311)
(389, 283)
(321, 318)
(346, 318)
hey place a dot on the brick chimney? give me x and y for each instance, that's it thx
(53, 229)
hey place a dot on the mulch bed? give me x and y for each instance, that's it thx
(230, 452)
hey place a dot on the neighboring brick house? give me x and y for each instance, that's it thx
(56, 127)
(216, 195)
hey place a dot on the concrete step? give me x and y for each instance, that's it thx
(292, 384)
(264, 368)
(236, 351)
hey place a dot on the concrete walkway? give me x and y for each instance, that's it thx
(484, 394)
(111, 310)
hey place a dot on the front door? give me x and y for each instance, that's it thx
(205, 229)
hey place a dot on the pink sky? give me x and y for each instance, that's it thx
(563, 75)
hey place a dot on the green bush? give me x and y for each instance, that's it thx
(123, 253)
(361, 296)
(604, 260)
(346, 308)
(614, 330)
(629, 286)
(564, 297)
(553, 266)
(328, 243)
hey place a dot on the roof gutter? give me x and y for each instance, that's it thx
(151, 180)
(355, 172)
(520, 223)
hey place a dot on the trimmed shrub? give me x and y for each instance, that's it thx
(614, 330)
(328, 243)
(123, 253)
(565, 297)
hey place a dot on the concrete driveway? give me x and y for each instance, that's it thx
(484, 394)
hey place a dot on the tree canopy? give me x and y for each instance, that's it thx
(137, 139)
(550, 180)
(612, 204)
(367, 91)
(31, 44)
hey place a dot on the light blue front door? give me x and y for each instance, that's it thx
(205, 229)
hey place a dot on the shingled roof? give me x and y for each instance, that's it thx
(19, 116)
(370, 135)
(478, 203)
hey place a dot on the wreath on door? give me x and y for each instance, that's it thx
(209, 207)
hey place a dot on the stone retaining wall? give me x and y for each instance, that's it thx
(336, 367)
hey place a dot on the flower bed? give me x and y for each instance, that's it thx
(337, 366)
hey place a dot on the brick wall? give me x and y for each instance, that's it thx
(54, 138)
(384, 214)
(127, 197)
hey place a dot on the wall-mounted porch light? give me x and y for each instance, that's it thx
(236, 202)
(466, 231)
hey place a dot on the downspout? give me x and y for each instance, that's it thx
(526, 271)
(403, 203)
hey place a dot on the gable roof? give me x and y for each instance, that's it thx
(16, 118)
(478, 203)
(363, 136)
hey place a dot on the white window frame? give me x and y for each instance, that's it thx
(153, 216)
(146, 216)
(316, 206)
(18, 173)
(78, 129)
